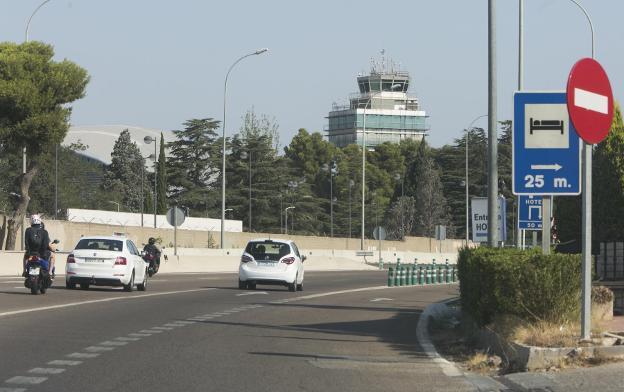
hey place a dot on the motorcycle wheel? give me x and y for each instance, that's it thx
(34, 286)
(150, 272)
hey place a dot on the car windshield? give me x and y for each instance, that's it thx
(267, 250)
(100, 244)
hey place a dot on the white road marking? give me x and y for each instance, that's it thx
(112, 343)
(185, 322)
(12, 281)
(95, 349)
(46, 370)
(60, 362)
(12, 389)
(71, 304)
(150, 331)
(591, 101)
(140, 335)
(26, 380)
(163, 328)
(252, 293)
(127, 339)
(82, 355)
(173, 325)
(448, 368)
(381, 299)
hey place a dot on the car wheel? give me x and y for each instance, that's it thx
(84, 286)
(251, 286)
(130, 286)
(143, 286)
(242, 285)
(292, 287)
(70, 286)
(300, 287)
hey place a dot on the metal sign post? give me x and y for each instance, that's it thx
(175, 217)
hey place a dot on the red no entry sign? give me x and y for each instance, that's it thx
(590, 100)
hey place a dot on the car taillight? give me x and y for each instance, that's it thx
(246, 259)
(288, 260)
(70, 258)
(120, 261)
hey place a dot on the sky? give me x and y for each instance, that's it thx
(157, 63)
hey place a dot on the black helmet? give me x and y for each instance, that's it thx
(152, 240)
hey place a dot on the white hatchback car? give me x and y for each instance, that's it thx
(106, 261)
(272, 262)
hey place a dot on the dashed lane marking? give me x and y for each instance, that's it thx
(163, 328)
(46, 370)
(12, 389)
(112, 343)
(95, 349)
(61, 362)
(71, 304)
(127, 339)
(151, 331)
(140, 335)
(82, 355)
(26, 380)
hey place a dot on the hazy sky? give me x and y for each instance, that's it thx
(157, 63)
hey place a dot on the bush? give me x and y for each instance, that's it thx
(526, 284)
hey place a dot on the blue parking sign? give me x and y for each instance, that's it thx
(546, 149)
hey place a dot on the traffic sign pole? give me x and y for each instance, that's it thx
(587, 238)
(546, 208)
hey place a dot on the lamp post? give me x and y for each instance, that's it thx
(116, 203)
(466, 182)
(244, 155)
(401, 178)
(333, 170)
(286, 218)
(351, 184)
(148, 140)
(369, 100)
(24, 148)
(257, 52)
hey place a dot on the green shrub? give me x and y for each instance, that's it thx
(527, 284)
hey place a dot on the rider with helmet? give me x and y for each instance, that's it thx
(37, 243)
(151, 249)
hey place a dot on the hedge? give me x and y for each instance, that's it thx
(527, 284)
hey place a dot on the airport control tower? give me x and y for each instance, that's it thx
(391, 113)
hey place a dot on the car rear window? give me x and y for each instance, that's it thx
(268, 250)
(100, 244)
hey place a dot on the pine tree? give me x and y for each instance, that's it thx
(123, 176)
(162, 178)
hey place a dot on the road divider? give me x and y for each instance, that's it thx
(421, 274)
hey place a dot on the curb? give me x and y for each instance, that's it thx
(481, 383)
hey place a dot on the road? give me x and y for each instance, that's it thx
(198, 332)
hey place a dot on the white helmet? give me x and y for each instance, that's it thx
(35, 219)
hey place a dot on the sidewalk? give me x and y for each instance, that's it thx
(617, 324)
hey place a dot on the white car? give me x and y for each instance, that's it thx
(272, 262)
(106, 261)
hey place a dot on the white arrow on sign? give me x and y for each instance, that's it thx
(253, 293)
(555, 167)
(591, 101)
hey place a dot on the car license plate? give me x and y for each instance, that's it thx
(34, 271)
(93, 260)
(266, 264)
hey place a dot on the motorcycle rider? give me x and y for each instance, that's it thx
(152, 249)
(37, 243)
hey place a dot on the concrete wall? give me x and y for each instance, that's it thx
(70, 232)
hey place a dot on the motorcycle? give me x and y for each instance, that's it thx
(153, 264)
(37, 277)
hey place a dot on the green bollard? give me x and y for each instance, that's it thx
(381, 266)
(408, 275)
(428, 274)
(390, 277)
(421, 275)
(447, 273)
(403, 275)
(414, 275)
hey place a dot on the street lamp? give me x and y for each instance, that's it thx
(401, 178)
(257, 52)
(351, 184)
(114, 202)
(148, 139)
(244, 155)
(369, 100)
(466, 181)
(333, 170)
(286, 218)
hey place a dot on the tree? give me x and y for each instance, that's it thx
(162, 178)
(431, 207)
(123, 176)
(401, 217)
(194, 167)
(35, 93)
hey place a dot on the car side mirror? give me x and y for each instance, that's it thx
(56, 241)
(142, 253)
(303, 258)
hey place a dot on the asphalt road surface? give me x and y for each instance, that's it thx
(199, 332)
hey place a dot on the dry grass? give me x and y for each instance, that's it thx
(542, 333)
(478, 362)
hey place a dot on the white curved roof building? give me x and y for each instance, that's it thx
(100, 139)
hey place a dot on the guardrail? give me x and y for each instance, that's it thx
(421, 274)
